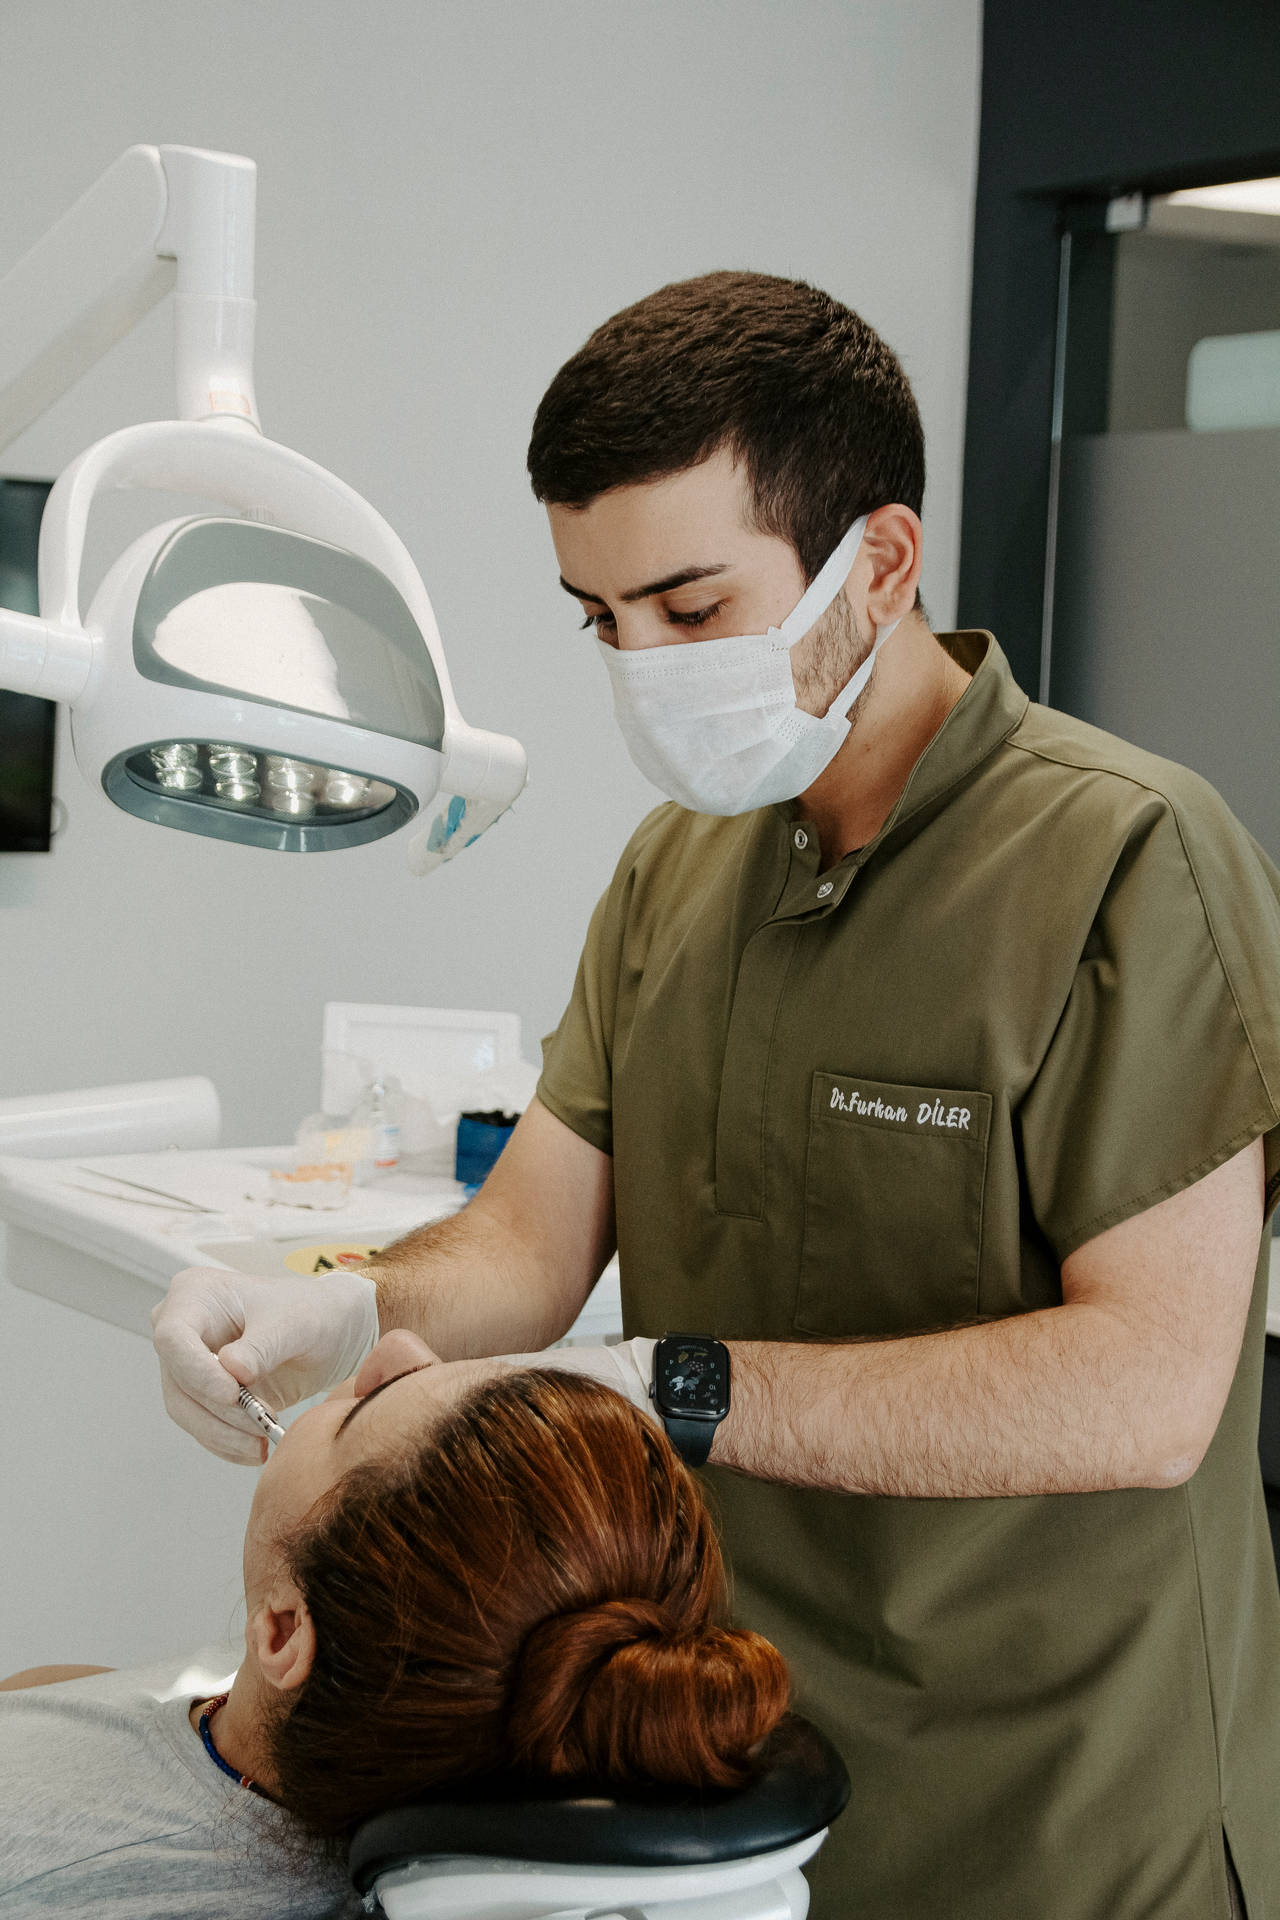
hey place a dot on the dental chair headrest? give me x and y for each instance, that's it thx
(799, 1789)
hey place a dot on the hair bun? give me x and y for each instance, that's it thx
(625, 1691)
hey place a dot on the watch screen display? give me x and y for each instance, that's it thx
(693, 1377)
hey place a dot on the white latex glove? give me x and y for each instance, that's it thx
(217, 1331)
(627, 1367)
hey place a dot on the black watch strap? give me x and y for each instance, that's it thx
(690, 1438)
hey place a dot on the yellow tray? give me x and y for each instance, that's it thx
(332, 1255)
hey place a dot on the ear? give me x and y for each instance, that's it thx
(894, 540)
(282, 1637)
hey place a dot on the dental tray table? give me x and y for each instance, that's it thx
(105, 1234)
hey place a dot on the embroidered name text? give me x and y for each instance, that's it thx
(854, 1103)
(930, 1113)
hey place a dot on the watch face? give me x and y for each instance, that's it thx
(693, 1377)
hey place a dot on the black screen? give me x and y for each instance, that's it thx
(26, 772)
(693, 1377)
(26, 724)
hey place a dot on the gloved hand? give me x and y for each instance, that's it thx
(217, 1331)
(627, 1367)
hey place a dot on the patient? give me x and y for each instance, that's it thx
(467, 1569)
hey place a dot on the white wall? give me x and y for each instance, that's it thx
(450, 197)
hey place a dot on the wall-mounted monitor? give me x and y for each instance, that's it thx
(26, 724)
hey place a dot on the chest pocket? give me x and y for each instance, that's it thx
(894, 1180)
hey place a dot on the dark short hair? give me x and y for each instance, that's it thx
(800, 388)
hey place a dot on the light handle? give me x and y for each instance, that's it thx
(41, 658)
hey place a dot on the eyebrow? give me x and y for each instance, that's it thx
(668, 585)
(372, 1394)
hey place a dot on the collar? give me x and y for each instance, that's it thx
(986, 713)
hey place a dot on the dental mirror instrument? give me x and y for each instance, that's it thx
(264, 1417)
(136, 1200)
(175, 1199)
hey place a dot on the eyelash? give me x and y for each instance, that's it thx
(698, 619)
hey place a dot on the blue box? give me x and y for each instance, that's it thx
(481, 1138)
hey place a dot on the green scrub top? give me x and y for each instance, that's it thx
(894, 1096)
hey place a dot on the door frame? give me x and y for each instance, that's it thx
(1088, 101)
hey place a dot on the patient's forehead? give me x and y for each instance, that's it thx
(407, 1397)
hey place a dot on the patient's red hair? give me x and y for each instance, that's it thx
(538, 1588)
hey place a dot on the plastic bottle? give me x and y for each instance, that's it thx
(378, 1111)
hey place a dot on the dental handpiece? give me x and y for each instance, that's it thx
(264, 1417)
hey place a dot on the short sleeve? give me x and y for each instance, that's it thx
(577, 1059)
(1166, 1059)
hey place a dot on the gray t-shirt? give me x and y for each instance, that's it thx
(111, 1808)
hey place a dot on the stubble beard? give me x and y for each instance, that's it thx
(838, 651)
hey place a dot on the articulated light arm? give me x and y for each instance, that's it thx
(160, 218)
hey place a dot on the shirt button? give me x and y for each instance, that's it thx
(802, 838)
(828, 886)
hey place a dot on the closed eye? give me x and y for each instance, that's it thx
(695, 619)
(367, 1398)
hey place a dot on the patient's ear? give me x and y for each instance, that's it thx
(282, 1637)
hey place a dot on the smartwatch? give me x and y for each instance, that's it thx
(690, 1390)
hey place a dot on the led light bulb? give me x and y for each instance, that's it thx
(344, 789)
(235, 773)
(177, 767)
(290, 785)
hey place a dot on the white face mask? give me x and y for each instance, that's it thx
(714, 723)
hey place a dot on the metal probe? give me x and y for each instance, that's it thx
(263, 1415)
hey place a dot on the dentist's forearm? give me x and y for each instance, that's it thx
(1122, 1385)
(1045, 1402)
(466, 1288)
(510, 1272)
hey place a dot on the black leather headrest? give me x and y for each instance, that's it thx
(801, 1786)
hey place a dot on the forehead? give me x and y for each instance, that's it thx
(696, 517)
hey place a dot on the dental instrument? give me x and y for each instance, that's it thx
(264, 1417)
(134, 1200)
(271, 674)
(118, 1179)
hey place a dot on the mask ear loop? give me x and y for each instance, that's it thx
(823, 588)
(839, 708)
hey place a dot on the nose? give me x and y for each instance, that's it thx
(397, 1352)
(636, 631)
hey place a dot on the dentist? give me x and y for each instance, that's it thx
(923, 1064)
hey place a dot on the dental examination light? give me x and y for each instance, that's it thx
(271, 674)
